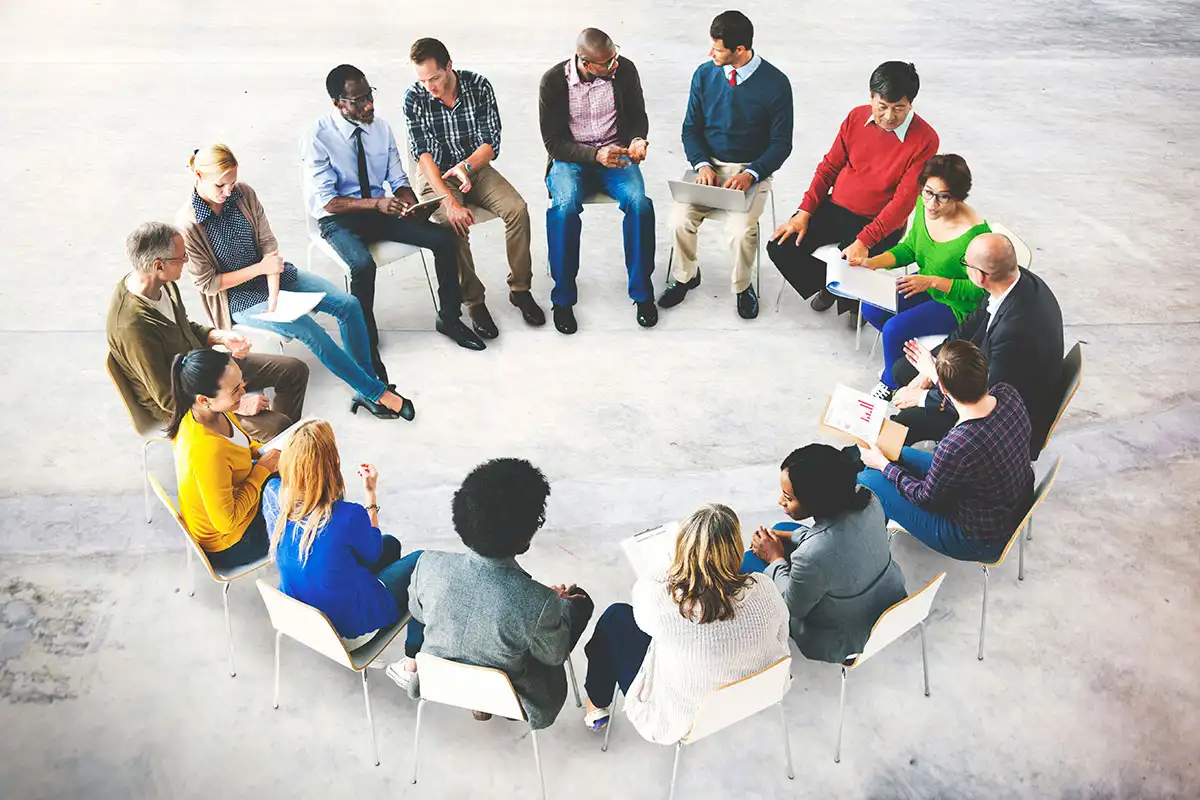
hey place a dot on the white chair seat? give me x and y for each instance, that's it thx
(384, 253)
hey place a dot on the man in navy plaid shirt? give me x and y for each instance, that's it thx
(454, 135)
(965, 499)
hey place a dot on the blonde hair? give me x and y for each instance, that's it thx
(706, 573)
(213, 159)
(310, 470)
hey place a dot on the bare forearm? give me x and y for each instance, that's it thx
(882, 261)
(372, 509)
(433, 175)
(239, 276)
(352, 205)
(482, 156)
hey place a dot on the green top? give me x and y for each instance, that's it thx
(941, 259)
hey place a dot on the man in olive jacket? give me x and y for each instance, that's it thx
(594, 126)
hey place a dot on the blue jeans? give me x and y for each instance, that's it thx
(919, 315)
(935, 531)
(352, 361)
(614, 653)
(396, 576)
(569, 183)
(752, 563)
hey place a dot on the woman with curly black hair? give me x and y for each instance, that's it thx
(482, 608)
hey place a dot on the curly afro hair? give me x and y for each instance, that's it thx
(500, 506)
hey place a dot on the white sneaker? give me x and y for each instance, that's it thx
(403, 677)
(882, 391)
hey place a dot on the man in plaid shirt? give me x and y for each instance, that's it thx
(454, 135)
(965, 499)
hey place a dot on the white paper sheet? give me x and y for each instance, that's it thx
(876, 287)
(856, 413)
(280, 441)
(291, 306)
(652, 549)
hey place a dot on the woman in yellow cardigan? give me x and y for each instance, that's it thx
(219, 467)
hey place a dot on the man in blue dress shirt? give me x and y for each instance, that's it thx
(348, 157)
(737, 132)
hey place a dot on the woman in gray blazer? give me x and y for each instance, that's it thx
(836, 576)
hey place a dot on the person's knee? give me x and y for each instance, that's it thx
(617, 612)
(516, 213)
(639, 205)
(681, 219)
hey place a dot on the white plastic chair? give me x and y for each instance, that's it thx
(251, 331)
(384, 253)
(476, 688)
(909, 613)
(728, 705)
(312, 628)
(225, 577)
(720, 214)
(147, 426)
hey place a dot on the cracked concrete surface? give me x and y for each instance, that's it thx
(114, 683)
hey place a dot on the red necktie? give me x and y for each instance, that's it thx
(733, 77)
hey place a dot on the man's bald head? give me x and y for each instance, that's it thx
(594, 42)
(993, 253)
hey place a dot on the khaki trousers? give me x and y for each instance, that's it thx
(489, 190)
(740, 232)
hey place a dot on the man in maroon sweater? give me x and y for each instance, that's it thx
(872, 169)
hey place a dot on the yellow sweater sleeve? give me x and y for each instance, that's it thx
(230, 507)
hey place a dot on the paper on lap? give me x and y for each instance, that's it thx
(875, 287)
(863, 419)
(651, 550)
(285, 436)
(291, 306)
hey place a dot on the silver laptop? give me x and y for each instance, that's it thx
(688, 191)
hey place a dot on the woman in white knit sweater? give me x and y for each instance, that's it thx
(694, 627)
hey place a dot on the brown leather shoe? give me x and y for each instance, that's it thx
(529, 307)
(482, 322)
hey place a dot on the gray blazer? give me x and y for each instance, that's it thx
(491, 613)
(840, 577)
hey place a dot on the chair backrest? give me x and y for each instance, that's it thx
(143, 422)
(1039, 494)
(310, 222)
(305, 624)
(735, 701)
(1072, 376)
(170, 506)
(900, 619)
(1024, 253)
(468, 686)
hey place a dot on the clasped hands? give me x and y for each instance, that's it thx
(768, 544)
(615, 157)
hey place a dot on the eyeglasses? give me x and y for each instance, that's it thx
(941, 197)
(602, 64)
(963, 262)
(168, 260)
(362, 101)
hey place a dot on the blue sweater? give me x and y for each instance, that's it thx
(335, 578)
(750, 123)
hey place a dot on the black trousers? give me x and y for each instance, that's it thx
(830, 224)
(925, 423)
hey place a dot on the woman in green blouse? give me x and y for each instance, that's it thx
(940, 295)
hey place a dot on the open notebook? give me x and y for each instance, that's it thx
(875, 287)
(863, 419)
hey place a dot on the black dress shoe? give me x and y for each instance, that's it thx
(482, 322)
(530, 310)
(676, 291)
(564, 319)
(460, 333)
(647, 314)
(822, 301)
(747, 303)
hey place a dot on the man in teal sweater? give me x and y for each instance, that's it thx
(737, 132)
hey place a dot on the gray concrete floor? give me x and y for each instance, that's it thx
(1076, 120)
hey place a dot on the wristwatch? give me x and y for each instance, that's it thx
(466, 165)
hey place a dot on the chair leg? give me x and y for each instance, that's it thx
(787, 744)
(537, 760)
(837, 750)
(612, 720)
(1020, 557)
(370, 719)
(1029, 530)
(281, 352)
(675, 770)
(858, 328)
(924, 659)
(228, 628)
(983, 616)
(874, 344)
(278, 636)
(429, 283)
(417, 739)
(670, 261)
(146, 479)
(758, 261)
(189, 578)
(574, 684)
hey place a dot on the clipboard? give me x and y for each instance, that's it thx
(891, 435)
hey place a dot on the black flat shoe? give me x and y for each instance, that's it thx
(647, 314)
(530, 310)
(564, 319)
(482, 322)
(460, 333)
(675, 291)
(822, 301)
(747, 303)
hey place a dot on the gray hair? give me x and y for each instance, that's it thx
(149, 242)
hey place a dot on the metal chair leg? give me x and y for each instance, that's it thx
(574, 684)
(228, 628)
(417, 739)
(189, 578)
(924, 659)
(370, 720)
(858, 328)
(429, 283)
(612, 719)
(537, 759)
(983, 616)
(1029, 529)
(837, 750)
(787, 744)
(278, 635)
(146, 479)
(874, 344)
(1020, 557)
(675, 770)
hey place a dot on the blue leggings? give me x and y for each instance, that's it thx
(614, 653)
(919, 315)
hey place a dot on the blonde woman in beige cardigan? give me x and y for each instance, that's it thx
(234, 259)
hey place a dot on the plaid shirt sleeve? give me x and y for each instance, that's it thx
(939, 484)
(416, 125)
(487, 115)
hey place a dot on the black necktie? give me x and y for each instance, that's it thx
(364, 180)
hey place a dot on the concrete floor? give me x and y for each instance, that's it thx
(113, 684)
